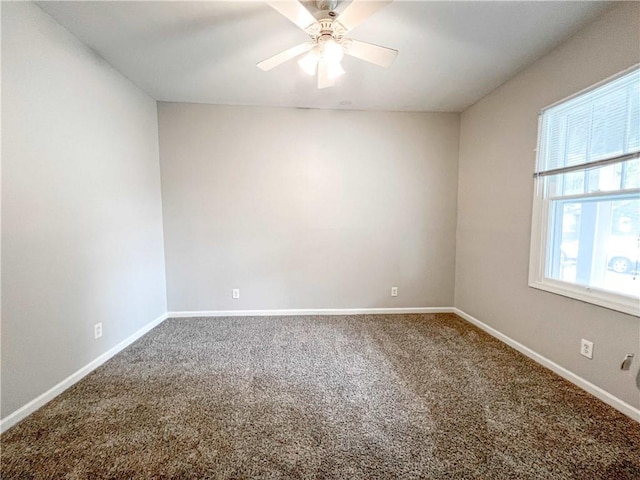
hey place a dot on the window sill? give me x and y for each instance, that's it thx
(621, 303)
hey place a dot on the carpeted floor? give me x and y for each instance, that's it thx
(340, 397)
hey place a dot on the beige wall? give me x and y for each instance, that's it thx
(297, 208)
(81, 206)
(307, 208)
(497, 142)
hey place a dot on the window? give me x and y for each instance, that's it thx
(586, 213)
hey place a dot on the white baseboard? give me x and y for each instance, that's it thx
(594, 390)
(38, 402)
(309, 311)
(26, 410)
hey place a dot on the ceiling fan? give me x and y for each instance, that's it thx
(328, 43)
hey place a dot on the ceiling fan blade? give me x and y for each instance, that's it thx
(282, 57)
(294, 11)
(358, 11)
(371, 53)
(324, 80)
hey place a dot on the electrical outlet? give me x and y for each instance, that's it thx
(97, 330)
(235, 293)
(394, 291)
(586, 348)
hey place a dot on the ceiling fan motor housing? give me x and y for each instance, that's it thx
(324, 27)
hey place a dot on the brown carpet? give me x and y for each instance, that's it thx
(340, 397)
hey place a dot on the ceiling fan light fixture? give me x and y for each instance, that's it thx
(331, 51)
(334, 70)
(309, 63)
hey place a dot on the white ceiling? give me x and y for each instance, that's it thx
(451, 53)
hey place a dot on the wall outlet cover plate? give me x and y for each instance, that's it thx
(586, 349)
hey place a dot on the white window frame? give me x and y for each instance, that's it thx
(539, 237)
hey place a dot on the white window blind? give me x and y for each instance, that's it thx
(601, 124)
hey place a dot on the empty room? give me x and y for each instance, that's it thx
(327, 239)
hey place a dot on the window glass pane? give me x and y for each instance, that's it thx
(563, 241)
(631, 176)
(573, 183)
(608, 178)
(595, 242)
(604, 179)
